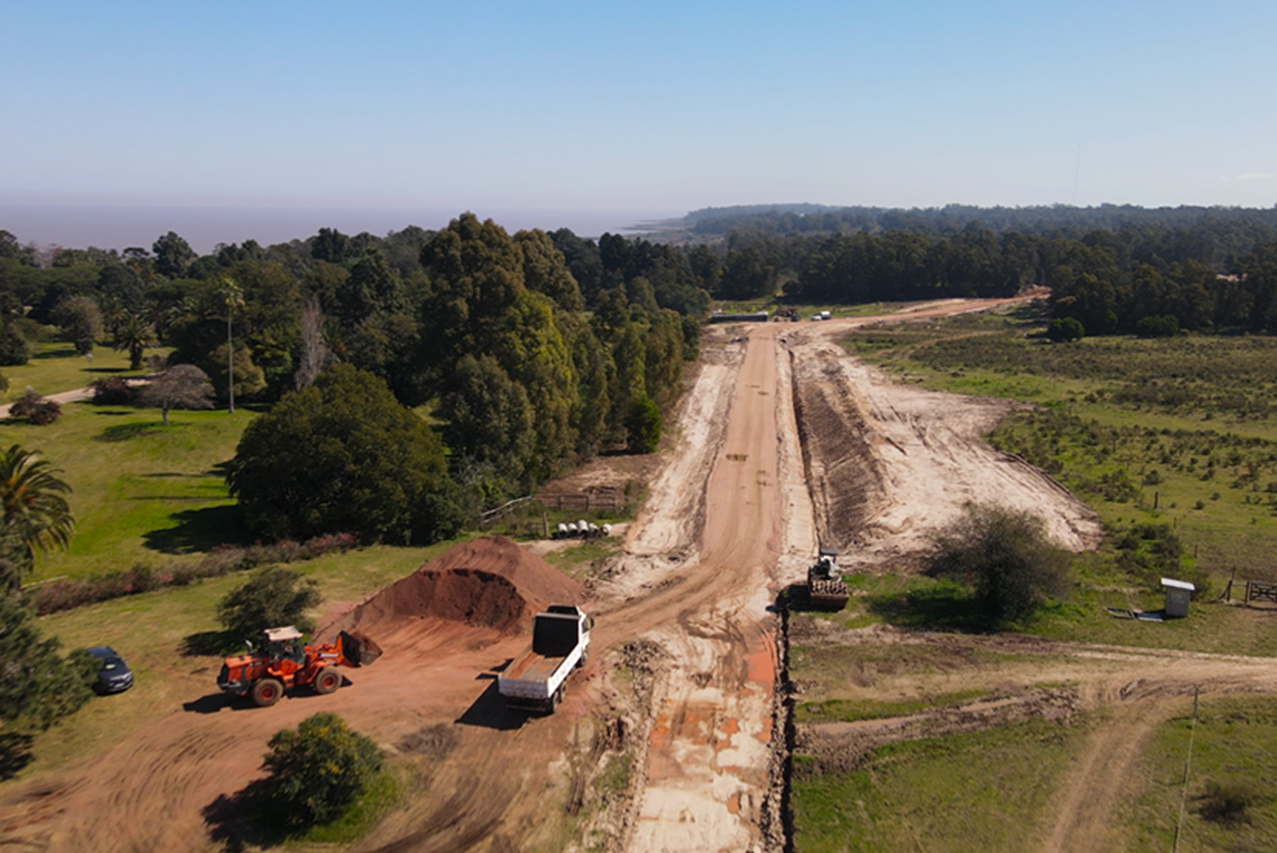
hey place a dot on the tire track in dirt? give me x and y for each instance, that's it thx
(1091, 790)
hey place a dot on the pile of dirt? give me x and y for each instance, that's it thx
(490, 583)
(846, 476)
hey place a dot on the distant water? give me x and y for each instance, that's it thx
(118, 226)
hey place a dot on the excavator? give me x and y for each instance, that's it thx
(284, 662)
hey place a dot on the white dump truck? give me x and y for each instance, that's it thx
(560, 642)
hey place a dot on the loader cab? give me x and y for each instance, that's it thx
(285, 644)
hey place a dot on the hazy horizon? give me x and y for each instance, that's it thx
(666, 107)
(119, 226)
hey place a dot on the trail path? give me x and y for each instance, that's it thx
(60, 397)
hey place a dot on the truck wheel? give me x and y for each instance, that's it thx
(585, 658)
(556, 699)
(327, 680)
(266, 692)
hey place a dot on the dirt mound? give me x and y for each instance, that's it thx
(846, 476)
(490, 583)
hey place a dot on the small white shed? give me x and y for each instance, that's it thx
(1178, 594)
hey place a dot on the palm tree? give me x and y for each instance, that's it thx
(135, 335)
(36, 515)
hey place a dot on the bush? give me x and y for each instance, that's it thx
(1064, 329)
(35, 409)
(1227, 802)
(273, 598)
(1006, 557)
(224, 559)
(319, 769)
(111, 391)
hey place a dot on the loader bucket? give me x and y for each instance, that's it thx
(358, 648)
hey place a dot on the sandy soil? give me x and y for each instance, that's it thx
(781, 441)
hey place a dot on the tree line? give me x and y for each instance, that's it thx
(1152, 279)
(1051, 220)
(522, 370)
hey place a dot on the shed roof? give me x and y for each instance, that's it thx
(1174, 584)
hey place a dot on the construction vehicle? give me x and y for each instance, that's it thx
(534, 680)
(826, 590)
(283, 662)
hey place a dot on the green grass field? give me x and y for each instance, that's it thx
(1234, 751)
(959, 793)
(141, 492)
(55, 366)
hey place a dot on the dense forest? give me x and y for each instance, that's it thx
(524, 370)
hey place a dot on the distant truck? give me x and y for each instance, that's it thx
(534, 681)
(826, 590)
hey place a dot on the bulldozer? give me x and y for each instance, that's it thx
(826, 590)
(284, 662)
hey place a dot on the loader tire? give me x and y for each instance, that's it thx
(266, 692)
(327, 680)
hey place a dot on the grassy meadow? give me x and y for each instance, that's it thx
(1229, 801)
(958, 793)
(142, 493)
(55, 367)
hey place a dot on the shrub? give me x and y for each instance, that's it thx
(273, 598)
(111, 391)
(1006, 557)
(1064, 329)
(222, 560)
(35, 409)
(1226, 802)
(319, 769)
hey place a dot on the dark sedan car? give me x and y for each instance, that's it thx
(114, 674)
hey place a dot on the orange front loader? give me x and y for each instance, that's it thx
(283, 662)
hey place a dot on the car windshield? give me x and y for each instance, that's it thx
(112, 663)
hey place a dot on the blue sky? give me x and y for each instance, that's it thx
(658, 106)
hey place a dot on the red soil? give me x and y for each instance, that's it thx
(490, 583)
